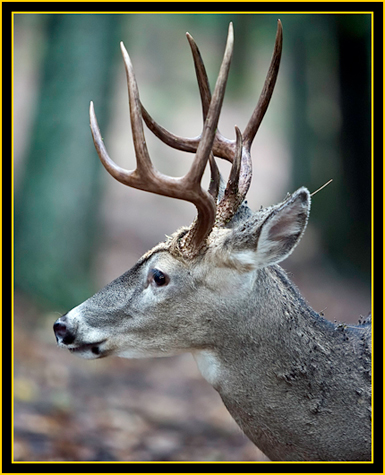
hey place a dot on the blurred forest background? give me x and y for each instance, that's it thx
(75, 228)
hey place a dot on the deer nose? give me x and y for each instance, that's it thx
(63, 331)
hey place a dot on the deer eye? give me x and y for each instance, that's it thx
(159, 278)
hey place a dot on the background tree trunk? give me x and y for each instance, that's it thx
(56, 207)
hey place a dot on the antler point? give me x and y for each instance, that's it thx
(123, 50)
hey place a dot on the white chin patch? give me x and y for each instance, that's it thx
(208, 365)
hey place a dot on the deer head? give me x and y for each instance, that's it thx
(139, 314)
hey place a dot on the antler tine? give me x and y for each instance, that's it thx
(108, 164)
(222, 147)
(200, 71)
(267, 91)
(254, 123)
(215, 179)
(210, 126)
(231, 199)
(143, 161)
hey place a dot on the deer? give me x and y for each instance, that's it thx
(297, 385)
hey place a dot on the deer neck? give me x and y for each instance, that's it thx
(275, 370)
(262, 329)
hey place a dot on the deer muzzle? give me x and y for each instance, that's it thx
(65, 331)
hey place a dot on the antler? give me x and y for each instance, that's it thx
(223, 147)
(209, 143)
(146, 178)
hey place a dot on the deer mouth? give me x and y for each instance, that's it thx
(90, 350)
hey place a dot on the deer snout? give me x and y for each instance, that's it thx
(64, 332)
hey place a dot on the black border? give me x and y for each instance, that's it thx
(280, 7)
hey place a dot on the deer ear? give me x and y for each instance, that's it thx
(283, 228)
(272, 240)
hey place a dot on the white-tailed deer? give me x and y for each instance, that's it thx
(298, 385)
